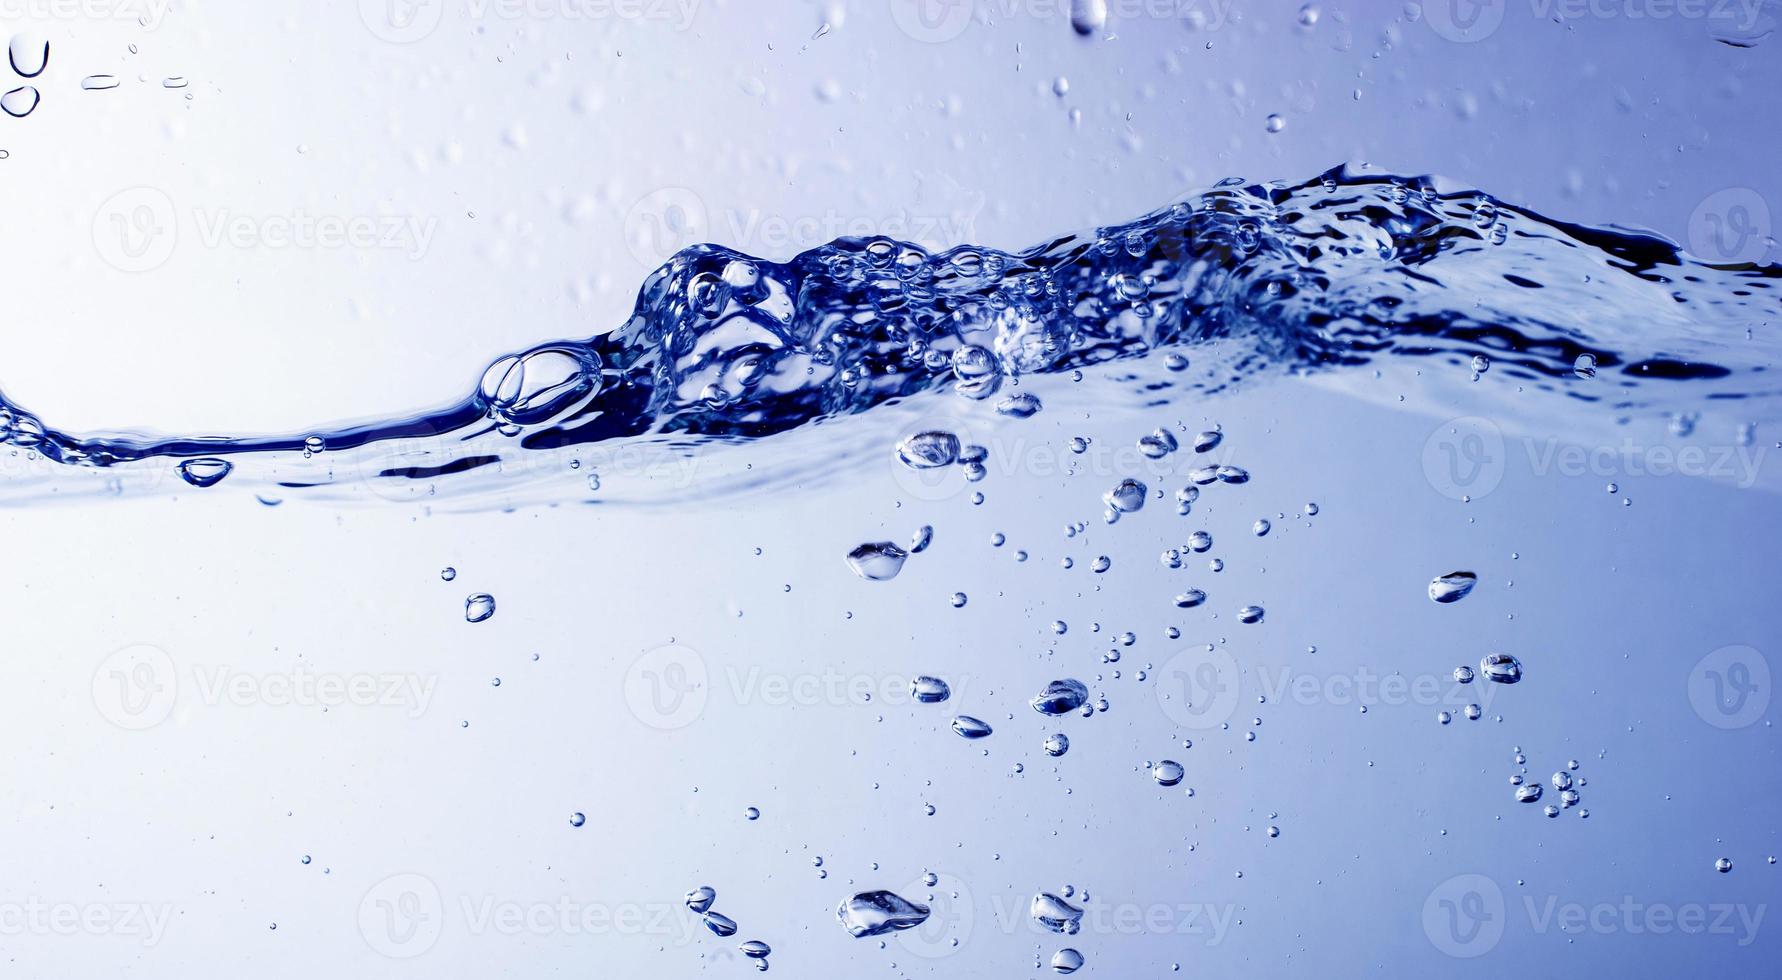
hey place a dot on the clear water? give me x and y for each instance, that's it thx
(1359, 574)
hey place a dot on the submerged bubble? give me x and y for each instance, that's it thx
(1501, 668)
(1190, 599)
(1251, 614)
(720, 924)
(1067, 960)
(1463, 674)
(1208, 441)
(1452, 587)
(479, 607)
(205, 472)
(928, 450)
(1723, 865)
(1056, 744)
(29, 53)
(1055, 913)
(1021, 406)
(930, 690)
(700, 899)
(1585, 366)
(1060, 697)
(969, 727)
(878, 561)
(1128, 496)
(1167, 773)
(1528, 793)
(876, 913)
(1157, 445)
(1088, 16)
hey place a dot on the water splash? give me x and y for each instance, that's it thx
(1343, 270)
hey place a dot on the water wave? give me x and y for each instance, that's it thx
(1344, 270)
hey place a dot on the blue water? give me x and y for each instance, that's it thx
(1207, 593)
(1327, 276)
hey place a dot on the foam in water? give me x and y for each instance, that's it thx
(1319, 277)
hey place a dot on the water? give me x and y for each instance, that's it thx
(1200, 594)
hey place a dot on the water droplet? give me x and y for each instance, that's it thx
(1067, 960)
(700, 899)
(755, 949)
(1723, 865)
(99, 83)
(1463, 674)
(1021, 406)
(720, 924)
(29, 53)
(928, 450)
(1501, 668)
(1056, 914)
(1207, 441)
(958, 600)
(1528, 793)
(1308, 15)
(1060, 697)
(877, 561)
(969, 727)
(448, 573)
(930, 690)
(1167, 773)
(1233, 475)
(479, 607)
(577, 819)
(1585, 366)
(205, 472)
(876, 913)
(1127, 497)
(1261, 527)
(1190, 599)
(1158, 444)
(752, 813)
(1276, 123)
(923, 537)
(1452, 587)
(1250, 614)
(1088, 16)
(1056, 744)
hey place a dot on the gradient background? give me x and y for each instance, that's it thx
(548, 156)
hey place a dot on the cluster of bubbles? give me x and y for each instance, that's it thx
(700, 900)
